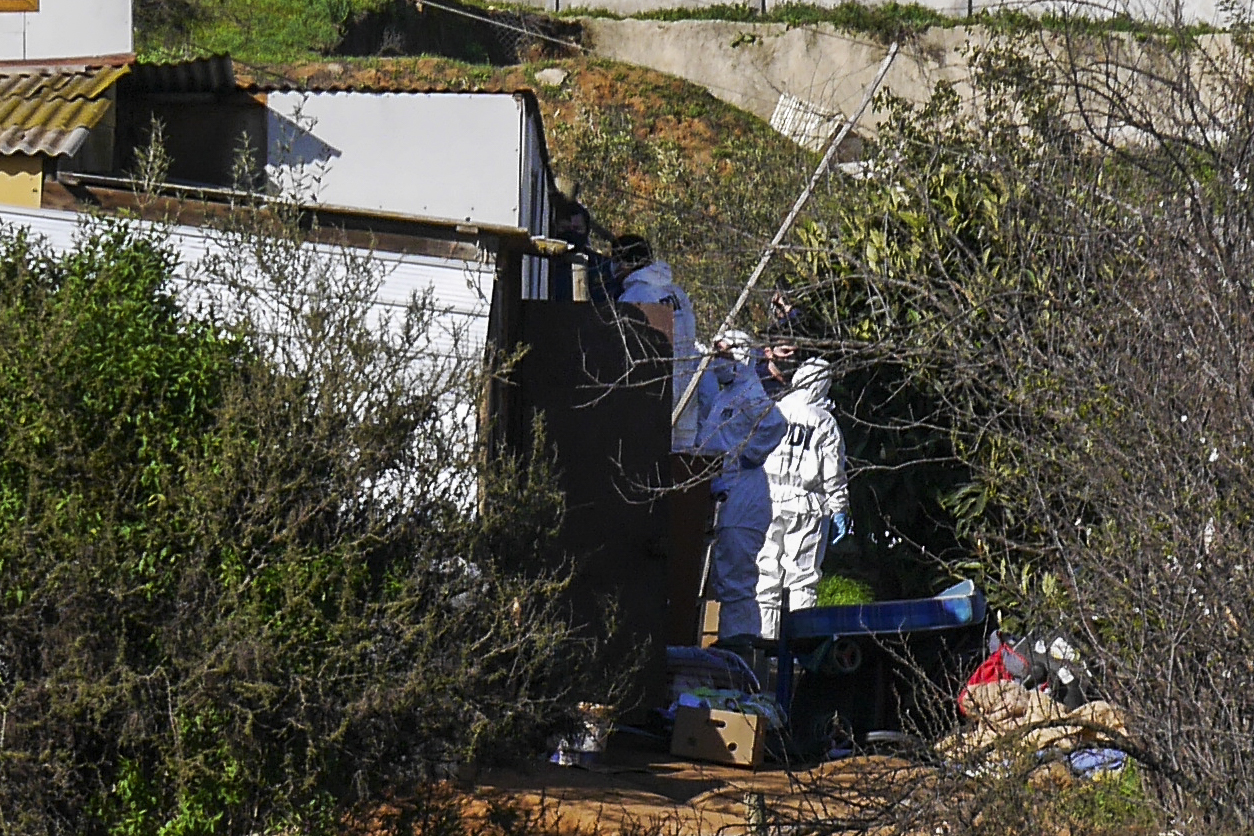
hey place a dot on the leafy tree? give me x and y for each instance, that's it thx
(1052, 273)
(250, 569)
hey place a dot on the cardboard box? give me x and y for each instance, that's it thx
(707, 623)
(718, 736)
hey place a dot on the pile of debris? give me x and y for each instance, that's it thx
(1034, 694)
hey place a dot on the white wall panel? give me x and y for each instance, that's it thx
(460, 290)
(443, 155)
(12, 36)
(67, 29)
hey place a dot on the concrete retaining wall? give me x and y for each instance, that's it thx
(752, 65)
(819, 74)
(1199, 11)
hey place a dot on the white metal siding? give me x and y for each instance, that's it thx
(460, 290)
(66, 29)
(443, 155)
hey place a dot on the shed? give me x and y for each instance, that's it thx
(475, 157)
(401, 149)
(456, 177)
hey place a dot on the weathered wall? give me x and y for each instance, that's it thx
(20, 180)
(1189, 10)
(755, 66)
(752, 65)
(602, 385)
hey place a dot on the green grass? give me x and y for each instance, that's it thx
(280, 31)
(1111, 804)
(889, 20)
(735, 12)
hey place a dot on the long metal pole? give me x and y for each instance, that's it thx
(787, 225)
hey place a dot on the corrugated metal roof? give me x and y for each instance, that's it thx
(349, 86)
(369, 85)
(220, 74)
(203, 75)
(50, 111)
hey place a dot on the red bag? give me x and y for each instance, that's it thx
(998, 667)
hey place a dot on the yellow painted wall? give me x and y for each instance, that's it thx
(21, 180)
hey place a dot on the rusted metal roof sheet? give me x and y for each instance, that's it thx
(50, 111)
(220, 74)
(366, 85)
(203, 75)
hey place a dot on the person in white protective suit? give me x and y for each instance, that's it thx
(741, 424)
(809, 497)
(651, 281)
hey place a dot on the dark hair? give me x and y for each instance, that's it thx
(631, 250)
(793, 326)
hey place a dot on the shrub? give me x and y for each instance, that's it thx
(250, 573)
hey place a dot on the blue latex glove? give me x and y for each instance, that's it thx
(838, 528)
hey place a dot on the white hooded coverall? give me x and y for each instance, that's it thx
(653, 283)
(808, 487)
(742, 425)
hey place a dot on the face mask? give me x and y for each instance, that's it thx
(787, 365)
(724, 370)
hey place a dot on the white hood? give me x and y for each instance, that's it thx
(812, 381)
(741, 343)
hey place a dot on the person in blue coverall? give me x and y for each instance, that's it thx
(742, 425)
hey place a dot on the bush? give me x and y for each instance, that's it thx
(245, 580)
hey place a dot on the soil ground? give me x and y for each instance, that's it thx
(637, 782)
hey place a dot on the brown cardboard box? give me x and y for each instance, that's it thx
(707, 623)
(718, 736)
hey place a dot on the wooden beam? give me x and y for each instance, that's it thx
(410, 239)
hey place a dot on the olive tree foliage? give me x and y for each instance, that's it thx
(253, 564)
(1054, 272)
